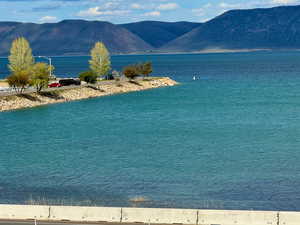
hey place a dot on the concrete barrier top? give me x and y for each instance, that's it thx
(86, 214)
(163, 216)
(228, 217)
(148, 215)
(24, 212)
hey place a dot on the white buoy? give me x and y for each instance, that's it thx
(194, 78)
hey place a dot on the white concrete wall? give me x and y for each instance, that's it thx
(226, 217)
(148, 215)
(91, 214)
(289, 218)
(169, 216)
(24, 212)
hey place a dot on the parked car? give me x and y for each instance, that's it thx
(5, 89)
(54, 85)
(109, 77)
(69, 81)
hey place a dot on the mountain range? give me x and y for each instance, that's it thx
(265, 28)
(272, 28)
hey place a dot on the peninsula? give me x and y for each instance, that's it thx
(59, 95)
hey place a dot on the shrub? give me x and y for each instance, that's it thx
(88, 76)
(19, 80)
(146, 69)
(131, 72)
(40, 76)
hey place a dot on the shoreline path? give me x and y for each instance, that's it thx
(31, 222)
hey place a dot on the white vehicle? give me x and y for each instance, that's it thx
(4, 88)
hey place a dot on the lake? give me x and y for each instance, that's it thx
(228, 140)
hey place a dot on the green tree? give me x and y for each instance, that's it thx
(40, 76)
(88, 76)
(100, 60)
(20, 56)
(19, 80)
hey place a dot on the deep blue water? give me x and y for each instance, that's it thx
(228, 140)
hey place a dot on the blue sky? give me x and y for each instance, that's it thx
(124, 11)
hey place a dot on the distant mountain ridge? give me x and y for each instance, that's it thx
(76, 37)
(271, 28)
(70, 37)
(157, 33)
(265, 28)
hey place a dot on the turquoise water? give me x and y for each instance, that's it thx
(228, 140)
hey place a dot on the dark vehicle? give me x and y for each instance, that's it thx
(109, 77)
(54, 85)
(68, 82)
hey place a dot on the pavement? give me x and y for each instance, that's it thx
(10, 91)
(32, 90)
(40, 223)
(31, 222)
(4, 92)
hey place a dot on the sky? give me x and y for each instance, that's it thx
(125, 11)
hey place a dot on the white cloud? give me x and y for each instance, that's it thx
(110, 5)
(48, 19)
(136, 6)
(225, 5)
(153, 13)
(101, 11)
(91, 12)
(168, 6)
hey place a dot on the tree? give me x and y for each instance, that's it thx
(88, 76)
(100, 60)
(40, 76)
(19, 80)
(146, 69)
(20, 58)
(131, 71)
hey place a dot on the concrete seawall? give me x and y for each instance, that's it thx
(147, 215)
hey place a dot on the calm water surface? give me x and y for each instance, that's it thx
(228, 140)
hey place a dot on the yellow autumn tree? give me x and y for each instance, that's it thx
(100, 60)
(21, 57)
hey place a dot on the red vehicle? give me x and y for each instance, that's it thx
(54, 85)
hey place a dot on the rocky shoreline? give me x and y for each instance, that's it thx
(14, 102)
